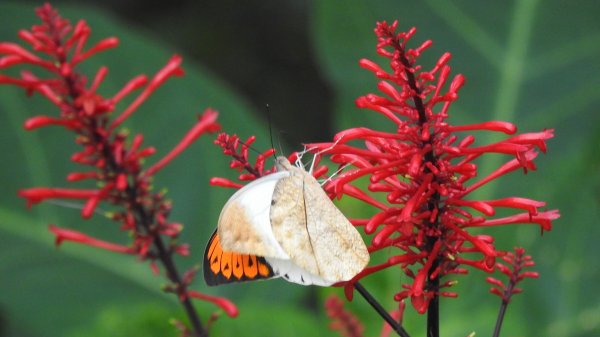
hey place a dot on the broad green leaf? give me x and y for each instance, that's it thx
(533, 63)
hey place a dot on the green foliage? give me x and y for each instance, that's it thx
(142, 319)
(272, 319)
(529, 62)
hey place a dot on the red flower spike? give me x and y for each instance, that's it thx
(342, 320)
(114, 162)
(425, 170)
(513, 266)
(230, 145)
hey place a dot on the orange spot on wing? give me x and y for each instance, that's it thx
(263, 269)
(238, 268)
(214, 255)
(226, 267)
(250, 266)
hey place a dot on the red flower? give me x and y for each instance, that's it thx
(110, 158)
(427, 170)
(238, 150)
(515, 271)
(63, 234)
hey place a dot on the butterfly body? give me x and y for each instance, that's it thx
(287, 222)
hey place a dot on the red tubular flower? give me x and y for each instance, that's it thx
(62, 234)
(37, 195)
(426, 171)
(114, 162)
(206, 123)
(230, 309)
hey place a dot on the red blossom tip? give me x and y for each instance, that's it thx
(37, 195)
(230, 309)
(41, 121)
(206, 123)
(223, 182)
(497, 126)
(103, 45)
(63, 234)
(172, 68)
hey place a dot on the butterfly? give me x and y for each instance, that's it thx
(283, 225)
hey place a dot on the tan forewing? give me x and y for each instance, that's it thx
(288, 220)
(338, 248)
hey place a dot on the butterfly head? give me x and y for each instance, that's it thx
(282, 164)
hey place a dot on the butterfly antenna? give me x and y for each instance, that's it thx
(250, 147)
(330, 178)
(307, 150)
(268, 109)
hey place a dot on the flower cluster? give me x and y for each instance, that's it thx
(514, 269)
(112, 158)
(427, 171)
(232, 146)
(513, 266)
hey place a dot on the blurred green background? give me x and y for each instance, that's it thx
(534, 63)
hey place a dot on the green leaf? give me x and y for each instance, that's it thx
(533, 63)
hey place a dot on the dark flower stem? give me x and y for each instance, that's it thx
(433, 283)
(500, 318)
(380, 310)
(166, 257)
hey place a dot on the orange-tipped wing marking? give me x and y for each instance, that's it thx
(227, 267)
(250, 266)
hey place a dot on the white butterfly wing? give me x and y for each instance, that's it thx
(291, 272)
(244, 225)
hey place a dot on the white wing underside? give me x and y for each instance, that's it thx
(254, 200)
(293, 273)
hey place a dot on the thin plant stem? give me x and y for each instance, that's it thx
(500, 319)
(380, 310)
